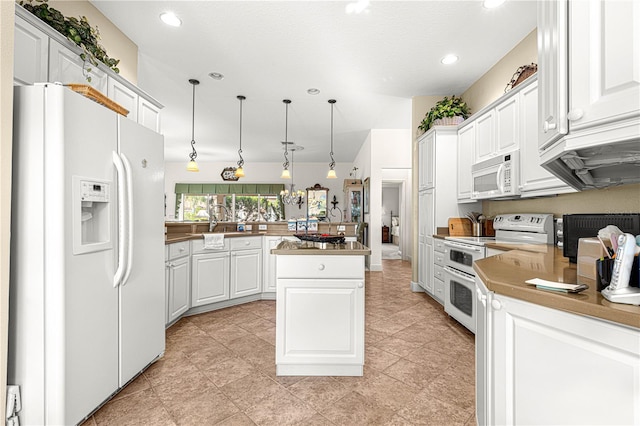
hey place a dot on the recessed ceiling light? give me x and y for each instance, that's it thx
(313, 91)
(170, 18)
(216, 75)
(449, 59)
(490, 4)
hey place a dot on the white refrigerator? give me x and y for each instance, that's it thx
(87, 253)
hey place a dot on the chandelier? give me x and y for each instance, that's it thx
(291, 196)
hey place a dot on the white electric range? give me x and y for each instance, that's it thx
(461, 252)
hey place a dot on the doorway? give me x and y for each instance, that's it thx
(391, 221)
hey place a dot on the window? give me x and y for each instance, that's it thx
(229, 202)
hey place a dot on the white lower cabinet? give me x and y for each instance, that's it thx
(438, 271)
(246, 272)
(537, 365)
(209, 278)
(269, 265)
(320, 315)
(177, 280)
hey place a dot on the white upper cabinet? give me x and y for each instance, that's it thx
(425, 163)
(535, 180)
(65, 66)
(604, 59)
(149, 114)
(507, 137)
(466, 144)
(124, 97)
(31, 53)
(552, 71)
(484, 148)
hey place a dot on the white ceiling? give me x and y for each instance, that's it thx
(372, 63)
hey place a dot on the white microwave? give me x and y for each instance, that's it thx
(496, 177)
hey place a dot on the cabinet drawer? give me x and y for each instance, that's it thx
(320, 266)
(245, 243)
(438, 272)
(438, 245)
(438, 290)
(177, 250)
(197, 246)
(438, 258)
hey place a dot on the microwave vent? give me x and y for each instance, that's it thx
(576, 226)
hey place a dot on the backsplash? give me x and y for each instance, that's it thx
(620, 199)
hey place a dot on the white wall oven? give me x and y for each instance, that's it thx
(459, 278)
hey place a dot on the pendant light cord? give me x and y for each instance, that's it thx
(286, 135)
(193, 154)
(241, 161)
(332, 164)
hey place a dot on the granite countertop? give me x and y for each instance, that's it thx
(506, 274)
(310, 248)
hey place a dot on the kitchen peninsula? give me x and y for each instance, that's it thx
(320, 308)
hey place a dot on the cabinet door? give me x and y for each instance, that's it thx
(507, 135)
(429, 216)
(246, 272)
(604, 57)
(552, 71)
(320, 321)
(484, 136)
(65, 66)
(123, 96)
(31, 53)
(428, 273)
(466, 144)
(535, 179)
(269, 281)
(209, 278)
(531, 347)
(148, 114)
(428, 159)
(179, 284)
(422, 264)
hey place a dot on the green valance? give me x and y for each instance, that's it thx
(229, 188)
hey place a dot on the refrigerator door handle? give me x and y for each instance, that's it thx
(129, 181)
(121, 204)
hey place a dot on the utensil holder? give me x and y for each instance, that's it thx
(477, 229)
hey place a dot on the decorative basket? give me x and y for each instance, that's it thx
(448, 121)
(95, 95)
(521, 74)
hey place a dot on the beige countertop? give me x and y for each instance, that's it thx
(176, 238)
(506, 274)
(307, 248)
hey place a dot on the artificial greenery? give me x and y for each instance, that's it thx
(447, 107)
(77, 30)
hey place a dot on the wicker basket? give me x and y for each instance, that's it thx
(95, 95)
(448, 121)
(521, 74)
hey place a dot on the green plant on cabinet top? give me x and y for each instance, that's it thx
(79, 31)
(448, 107)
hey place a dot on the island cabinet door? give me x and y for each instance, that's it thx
(209, 278)
(320, 321)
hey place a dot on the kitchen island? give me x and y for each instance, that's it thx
(320, 308)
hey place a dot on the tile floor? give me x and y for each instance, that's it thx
(219, 369)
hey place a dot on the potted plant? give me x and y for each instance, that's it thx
(76, 30)
(448, 111)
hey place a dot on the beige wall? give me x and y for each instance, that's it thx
(491, 85)
(116, 44)
(6, 127)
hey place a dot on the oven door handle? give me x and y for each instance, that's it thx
(460, 275)
(462, 246)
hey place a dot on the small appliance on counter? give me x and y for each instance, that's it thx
(576, 226)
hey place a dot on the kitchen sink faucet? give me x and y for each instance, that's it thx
(213, 221)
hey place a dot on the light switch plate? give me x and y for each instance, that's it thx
(341, 228)
(262, 227)
(248, 227)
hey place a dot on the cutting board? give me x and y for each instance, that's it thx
(460, 227)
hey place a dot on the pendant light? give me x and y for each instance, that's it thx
(193, 166)
(332, 164)
(293, 197)
(240, 171)
(285, 166)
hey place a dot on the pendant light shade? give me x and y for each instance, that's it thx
(332, 173)
(240, 171)
(193, 166)
(285, 166)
